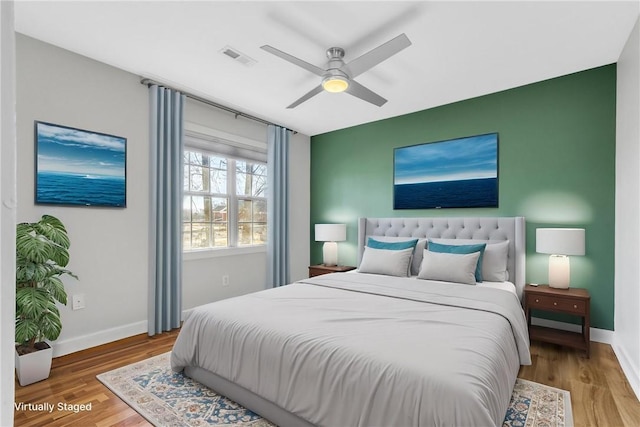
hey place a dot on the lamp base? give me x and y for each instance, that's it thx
(559, 271)
(330, 254)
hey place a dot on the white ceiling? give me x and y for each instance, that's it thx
(460, 49)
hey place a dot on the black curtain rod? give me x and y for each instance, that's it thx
(150, 82)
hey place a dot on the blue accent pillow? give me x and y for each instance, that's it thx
(461, 249)
(394, 246)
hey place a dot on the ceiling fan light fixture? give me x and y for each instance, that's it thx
(339, 77)
(335, 84)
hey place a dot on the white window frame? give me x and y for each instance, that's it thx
(216, 143)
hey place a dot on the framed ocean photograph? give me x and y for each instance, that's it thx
(77, 167)
(457, 173)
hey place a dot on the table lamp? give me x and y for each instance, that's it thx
(330, 234)
(559, 243)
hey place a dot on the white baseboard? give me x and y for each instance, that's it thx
(61, 348)
(598, 335)
(630, 369)
(71, 345)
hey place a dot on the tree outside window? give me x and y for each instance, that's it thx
(225, 202)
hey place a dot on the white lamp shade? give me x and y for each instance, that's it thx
(560, 241)
(331, 232)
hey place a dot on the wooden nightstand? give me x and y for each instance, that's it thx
(574, 301)
(317, 270)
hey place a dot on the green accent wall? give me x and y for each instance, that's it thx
(556, 168)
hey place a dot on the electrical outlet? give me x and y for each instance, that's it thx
(77, 301)
(225, 280)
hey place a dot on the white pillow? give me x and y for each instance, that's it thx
(385, 261)
(494, 260)
(458, 268)
(417, 256)
(417, 252)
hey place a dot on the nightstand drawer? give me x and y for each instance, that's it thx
(556, 303)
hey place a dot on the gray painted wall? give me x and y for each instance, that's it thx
(109, 249)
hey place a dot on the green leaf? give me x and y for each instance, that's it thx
(60, 256)
(34, 248)
(50, 324)
(25, 330)
(55, 287)
(53, 229)
(27, 272)
(23, 228)
(31, 302)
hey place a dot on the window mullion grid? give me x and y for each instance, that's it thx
(232, 200)
(246, 199)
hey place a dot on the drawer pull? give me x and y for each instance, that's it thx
(555, 303)
(575, 306)
(537, 300)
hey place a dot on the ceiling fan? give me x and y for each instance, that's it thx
(338, 77)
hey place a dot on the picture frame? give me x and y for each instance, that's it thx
(454, 173)
(77, 167)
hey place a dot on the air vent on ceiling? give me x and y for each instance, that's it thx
(238, 56)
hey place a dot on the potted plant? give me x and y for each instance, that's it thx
(42, 253)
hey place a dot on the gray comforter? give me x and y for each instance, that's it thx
(366, 350)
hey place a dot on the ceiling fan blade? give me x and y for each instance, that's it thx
(376, 56)
(299, 62)
(359, 91)
(313, 92)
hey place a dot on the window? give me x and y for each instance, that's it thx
(251, 193)
(225, 201)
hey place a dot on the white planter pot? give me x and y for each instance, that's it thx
(33, 367)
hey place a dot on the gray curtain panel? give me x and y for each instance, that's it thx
(278, 205)
(167, 134)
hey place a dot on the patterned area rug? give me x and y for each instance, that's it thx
(166, 399)
(538, 405)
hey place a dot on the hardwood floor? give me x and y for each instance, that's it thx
(600, 394)
(73, 381)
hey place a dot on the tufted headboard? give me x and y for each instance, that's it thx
(493, 229)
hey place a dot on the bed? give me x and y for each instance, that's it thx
(367, 348)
